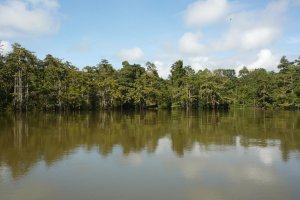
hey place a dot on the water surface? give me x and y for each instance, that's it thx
(240, 154)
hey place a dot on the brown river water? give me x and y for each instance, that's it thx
(153, 155)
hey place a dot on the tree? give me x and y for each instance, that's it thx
(287, 87)
(126, 81)
(177, 73)
(22, 63)
(243, 72)
(188, 88)
(106, 84)
(152, 69)
(27, 83)
(283, 64)
(243, 86)
(212, 92)
(297, 61)
(55, 83)
(5, 75)
(76, 97)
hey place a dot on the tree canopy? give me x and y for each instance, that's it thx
(51, 84)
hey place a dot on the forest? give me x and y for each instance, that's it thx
(28, 83)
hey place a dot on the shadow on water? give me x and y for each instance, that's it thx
(26, 139)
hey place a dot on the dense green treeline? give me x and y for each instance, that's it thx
(27, 83)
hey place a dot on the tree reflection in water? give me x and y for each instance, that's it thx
(26, 139)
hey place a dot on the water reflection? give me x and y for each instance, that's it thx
(28, 139)
(151, 155)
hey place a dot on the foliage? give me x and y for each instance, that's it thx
(27, 83)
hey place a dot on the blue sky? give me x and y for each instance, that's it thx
(204, 33)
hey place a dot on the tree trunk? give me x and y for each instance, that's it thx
(27, 89)
(15, 92)
(20, 96)
(59, 94)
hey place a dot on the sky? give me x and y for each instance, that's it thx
(203, 33)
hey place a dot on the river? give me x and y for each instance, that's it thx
(153, 155)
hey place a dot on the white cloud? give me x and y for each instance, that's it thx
(21, 18)
(253, 29)
(133, 54)
(258, 37)
(265, 59)
(163, 69)
(5, 47)
(244, 39)
(196, 62)
(239, 38)
(189, 43)
(199, 62)
(206, 12)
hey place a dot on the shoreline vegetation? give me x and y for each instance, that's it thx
(28, 84)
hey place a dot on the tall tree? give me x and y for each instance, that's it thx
(106, 84)
(55, 83)
(22, 63)
(283, 64)
(126, 80)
